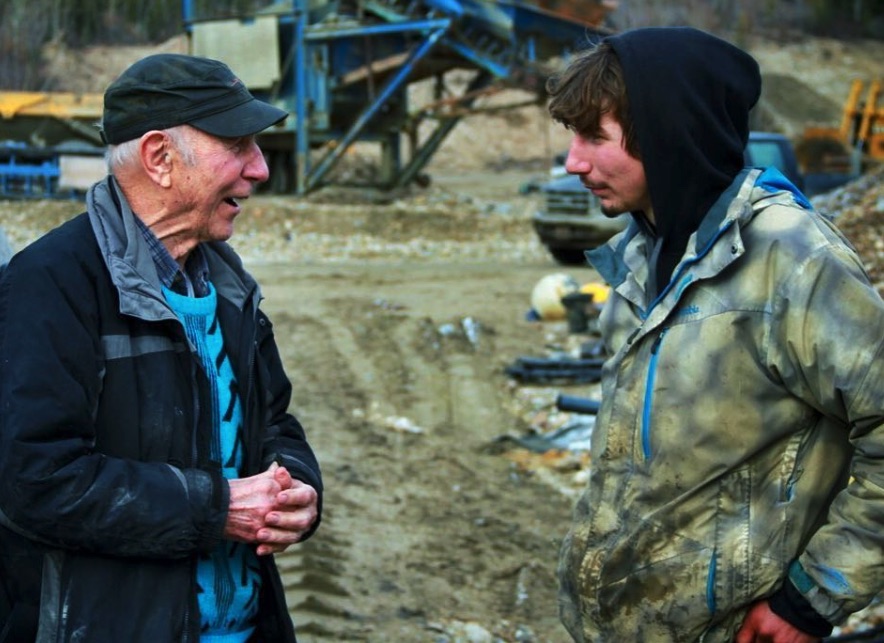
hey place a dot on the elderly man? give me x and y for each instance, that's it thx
(150, 466)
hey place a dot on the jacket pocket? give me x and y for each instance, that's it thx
(688, 565)
(95, 598)
(665, 593)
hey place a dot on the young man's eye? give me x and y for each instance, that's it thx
(593, 138)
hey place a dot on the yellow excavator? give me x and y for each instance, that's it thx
(853, 146)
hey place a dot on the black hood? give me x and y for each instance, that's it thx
(689, 99)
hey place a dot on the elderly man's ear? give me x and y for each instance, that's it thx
(156, 157)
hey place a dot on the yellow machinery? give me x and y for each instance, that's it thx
(54, 104)
(871, 127)
(49, 143)
(857, 142)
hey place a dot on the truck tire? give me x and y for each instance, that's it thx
(568, 256)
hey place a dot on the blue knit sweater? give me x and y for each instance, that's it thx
(228, 577)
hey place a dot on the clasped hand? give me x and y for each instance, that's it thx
(271, 509)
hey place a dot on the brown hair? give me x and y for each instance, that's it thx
(590, 86)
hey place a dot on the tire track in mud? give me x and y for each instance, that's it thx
(360, 357)
(314, 572)
(422, 529)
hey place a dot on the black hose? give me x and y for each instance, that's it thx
(576, 404)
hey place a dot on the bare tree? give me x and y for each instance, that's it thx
(24, 27)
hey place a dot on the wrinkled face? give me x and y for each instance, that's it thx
(605, 168)
(216, 175)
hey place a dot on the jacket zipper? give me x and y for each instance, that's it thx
(649, 396)
(248, 436)
(194, 446)
(710, 582)
(245, 376)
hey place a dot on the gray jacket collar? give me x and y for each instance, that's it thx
(131, 266)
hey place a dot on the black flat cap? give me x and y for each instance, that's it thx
(166, 90)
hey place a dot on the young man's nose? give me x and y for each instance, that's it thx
(577, 161)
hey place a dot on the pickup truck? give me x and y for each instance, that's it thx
(571, 221)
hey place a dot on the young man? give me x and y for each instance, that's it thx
(737, 482)
(150, 465)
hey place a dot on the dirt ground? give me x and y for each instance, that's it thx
(399, 371)
(397, 316)
(429, 534)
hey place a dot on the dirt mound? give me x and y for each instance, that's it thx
(92, 69)
(789, 105)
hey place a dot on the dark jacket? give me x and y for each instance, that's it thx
(108, 493)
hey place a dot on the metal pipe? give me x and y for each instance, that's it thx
(392, 85)
(302, 130)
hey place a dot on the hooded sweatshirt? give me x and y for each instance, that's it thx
(702, 90)
(738, 453)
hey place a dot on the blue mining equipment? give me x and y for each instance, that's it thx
(348, 73)
(344, 70)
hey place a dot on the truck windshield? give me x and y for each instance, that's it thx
(766, 154)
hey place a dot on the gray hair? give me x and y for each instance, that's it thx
(121, 155)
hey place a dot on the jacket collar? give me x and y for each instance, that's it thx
(623, 261)
(131, 265)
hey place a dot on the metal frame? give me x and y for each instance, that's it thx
(500, 41)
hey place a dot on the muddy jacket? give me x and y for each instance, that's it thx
(108, 494)
(740, 438)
